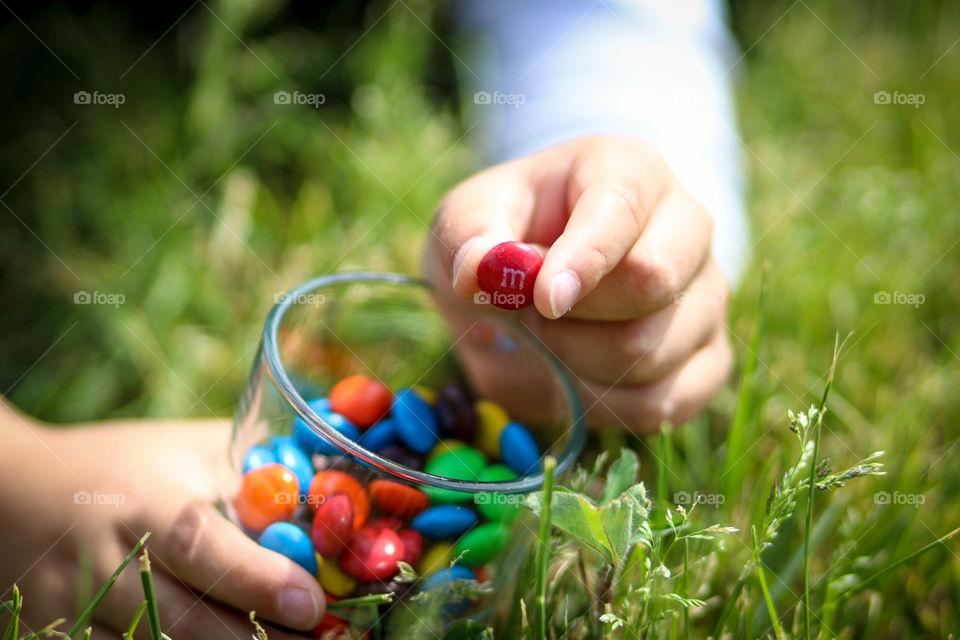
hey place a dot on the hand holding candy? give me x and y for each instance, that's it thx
(628, 295)
(101, 488)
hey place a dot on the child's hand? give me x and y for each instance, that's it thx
(137, 477)
(627, 270)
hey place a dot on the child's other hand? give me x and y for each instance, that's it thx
(629, 297)
(99, 488)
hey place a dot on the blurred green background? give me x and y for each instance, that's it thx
(199, 199)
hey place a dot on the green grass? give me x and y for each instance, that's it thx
(847, 198)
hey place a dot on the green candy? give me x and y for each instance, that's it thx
(482, 544)
(464, 463)
(496, 506)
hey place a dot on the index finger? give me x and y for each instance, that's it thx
(613, 184)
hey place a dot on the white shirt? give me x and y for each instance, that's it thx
(545, 71)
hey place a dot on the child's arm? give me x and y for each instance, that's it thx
(101, 487)
(628, 272)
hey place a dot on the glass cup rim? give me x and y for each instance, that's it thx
(278, 375)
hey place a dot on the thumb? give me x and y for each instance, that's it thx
(484, 211)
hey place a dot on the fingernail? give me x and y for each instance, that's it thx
(564, 290)
(299, 608)
(459, 259)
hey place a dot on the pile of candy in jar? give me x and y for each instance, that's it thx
(351, 534)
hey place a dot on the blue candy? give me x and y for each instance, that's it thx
(416, 423)
(444, 521)
(287, 453)
(257, 456)
(310, 441)
(379, 436)
(518, 449)
(291, 541)
(443, 579)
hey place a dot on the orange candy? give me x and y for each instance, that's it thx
(268, 494)
(361, 400)
(397, 499)
(326, 483)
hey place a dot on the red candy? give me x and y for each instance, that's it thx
(333, 525)
(326, 483)
(412, 546)
(507, 274)
(388, 522)
(397, 499)
(361, 400)
(372, 554)
(268, 494)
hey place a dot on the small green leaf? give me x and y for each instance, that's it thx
(575, 515)
(622, 475)
(618, 523)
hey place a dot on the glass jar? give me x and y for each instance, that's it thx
(389, 329)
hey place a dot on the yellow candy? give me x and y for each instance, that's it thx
(333, 580)
(445, 446)
(427, 394)
(436, 558)
(491, 419)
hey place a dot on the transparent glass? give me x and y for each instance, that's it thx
(389, 327)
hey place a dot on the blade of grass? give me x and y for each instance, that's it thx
(824, 525)
(150, 595)
(812, 485)
(361, 601)
(84, 579)
(860, 586)
(663, 463)
(13, 627)
(47, 630)
(543, 550)
(771, 610)
(736, 439)
(85, 616)
(136, 620)
(686, 587)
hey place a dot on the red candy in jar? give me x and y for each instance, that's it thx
(388, 522)
(361, 400)
(412, 546)
(326, 483)
(507, 274)
(333, 526)
(372, 554)
(268, 494)
(397, 499)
